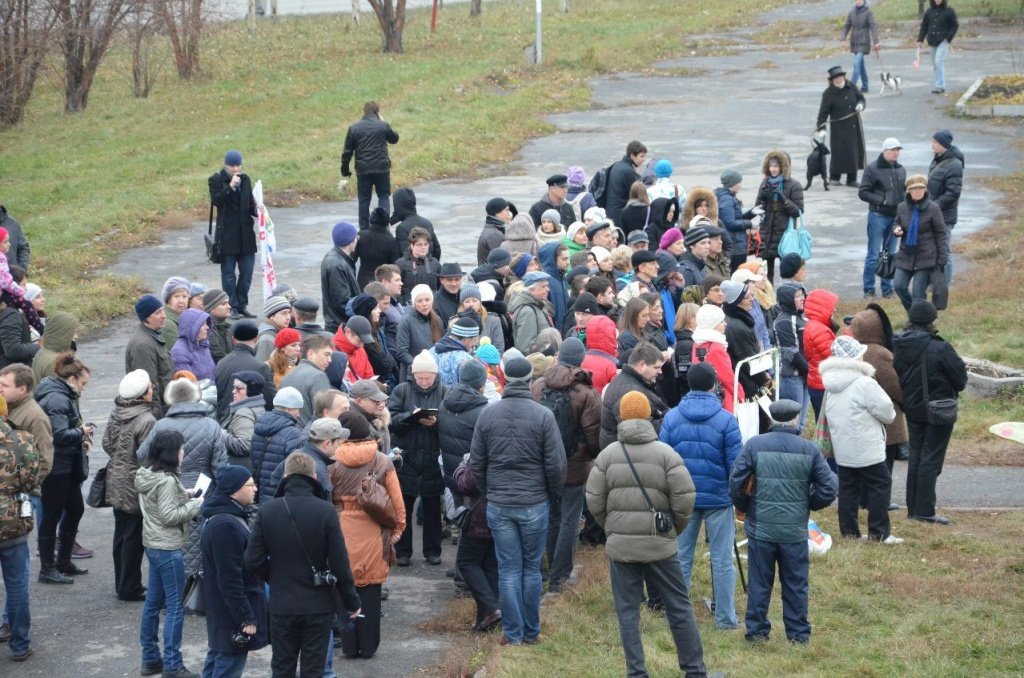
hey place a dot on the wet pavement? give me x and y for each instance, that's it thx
(725, 113)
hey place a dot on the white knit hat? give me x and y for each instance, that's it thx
(709, 317)
(419, 290)
(133, 385)
(424, 362)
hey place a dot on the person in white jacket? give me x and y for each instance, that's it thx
(857, 410)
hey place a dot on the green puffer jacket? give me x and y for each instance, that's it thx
(615, 499)
(166, 509)
(20, 471)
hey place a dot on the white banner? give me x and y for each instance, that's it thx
(267, 241)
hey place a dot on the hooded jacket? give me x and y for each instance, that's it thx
(166, 509)
(819, 333)
(858, 411)
(931, 249)
(405, 218)
(276, 435)
(618, 504)
(938, 24)
(521, 235)
(188, 353)
(789, 334)
(420, 474)
(238, 440)
(708, 439)
(376, 246)
(945, 181)
(601, 360)
(456, 420)
(60, 402)
(635, 216)
(558, 294)
(693, 196)
(585, 418)
(128, 425)
(449, 353)
(882, 186)
(742, 340)
(947, 375)
(59, 336)
(660, 223)
(233, 597)
(364, 537)
(871, 327)
(778, 208)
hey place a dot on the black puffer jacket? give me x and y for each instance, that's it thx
(945, 181)
(277, 434)
(627, 380)
(930, 251)
(947, 375)
(621, 176)
(456, 422)
(420, 474)
(789, 333)
(60, 402)
(376, 246)
(882, 186)
(368, 140)
(517, 454)
(403, 202)
(778, 209)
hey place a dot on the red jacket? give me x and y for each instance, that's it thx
(719, 359)
(358, 361)
(819, 333)
(600, 361)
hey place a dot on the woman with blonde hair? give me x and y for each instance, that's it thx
(686, 323)
(286, 353)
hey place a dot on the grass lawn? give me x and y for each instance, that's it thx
(945, 603)
(88, 185)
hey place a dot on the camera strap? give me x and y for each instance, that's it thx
(650, 504)
(299, 536)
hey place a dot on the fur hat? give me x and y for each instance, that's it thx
(790, 265)
(423, 362)
(634, 405)
(182, 391)
(642, 257)
(133, 385)
(244, 330)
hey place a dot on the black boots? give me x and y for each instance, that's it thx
(64, 546)
(48, 573)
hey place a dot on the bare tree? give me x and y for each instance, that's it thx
(474, 7)
(142, 24)
(391, 16)
(25, 29)
(85, 28)
(184, 22)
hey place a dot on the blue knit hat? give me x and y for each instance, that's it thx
(231, 478)
(232, 157)
(343, 234)
(146, 306)
(662, 169)
(524, 261)
(464, 328)
(488, 353)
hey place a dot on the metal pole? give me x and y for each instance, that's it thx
(539, 7)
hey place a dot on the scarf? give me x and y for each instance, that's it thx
(915, 221)
(776, 184)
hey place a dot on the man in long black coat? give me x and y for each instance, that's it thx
(841, 104)
(231, 194)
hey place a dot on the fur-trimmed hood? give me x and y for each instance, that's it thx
(838, 373)
(692, 196)
(784, 162)
(872, 326)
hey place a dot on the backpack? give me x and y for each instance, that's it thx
(560, 404)
(575, 205)
(599, 186)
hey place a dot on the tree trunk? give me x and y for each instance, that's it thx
(86, 29)
(474, 7)
(391, 18)
(25, 40)
(184, 22)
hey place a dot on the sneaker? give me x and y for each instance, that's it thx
(892, 540)
(79, 552)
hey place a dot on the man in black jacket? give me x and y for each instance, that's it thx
(882, 188)
(231, 194)
(310, 579)
(621, 177)
(938, 26)
(945, 181)
(241, 359)
(375, 247)
(235, 600)
(639, 374)
(16, 345)
(368, 140)
(338, 281)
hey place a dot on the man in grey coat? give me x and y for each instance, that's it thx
(634, 477)
(146, 349)
(309, 377)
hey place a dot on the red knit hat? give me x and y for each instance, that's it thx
(287, 336)
(3, 234)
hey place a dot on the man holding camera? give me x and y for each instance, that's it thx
(310, 580)
(641, 493)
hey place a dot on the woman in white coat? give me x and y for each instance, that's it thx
(857, 411)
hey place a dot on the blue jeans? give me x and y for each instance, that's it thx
(519, 534)
(791, 559)
(566, 534)
(15, 569)
(37, 511)
(795, 388)
(166, 581)
(224, 664)
(903, 281)
(859, 71)
(879, 228)
(939, 53)
(237, 286)
(721, 531)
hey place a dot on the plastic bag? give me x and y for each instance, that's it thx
(818, 541)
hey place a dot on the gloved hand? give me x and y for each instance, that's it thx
(859, 107)
(345, 172)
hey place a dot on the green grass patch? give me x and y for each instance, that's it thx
(945, 603)
(88, 185)
(904, 10)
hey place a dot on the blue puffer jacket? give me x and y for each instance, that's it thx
(558, 295)
(730, 212)
(277, 434)
(708, 439)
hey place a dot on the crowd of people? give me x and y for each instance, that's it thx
(586, 371)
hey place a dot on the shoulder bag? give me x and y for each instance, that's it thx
(97, 497)
(192, 592)
(822, 434)
(885, 265)
(796, 239)
(374, 499)
(662, 519)
(213, 247)
(940, 412)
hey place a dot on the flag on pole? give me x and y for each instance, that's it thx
(267, 240)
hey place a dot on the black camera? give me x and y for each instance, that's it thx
(240, 640)
(324, 578)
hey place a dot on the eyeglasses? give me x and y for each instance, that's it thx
(238, 388)
(250, 484)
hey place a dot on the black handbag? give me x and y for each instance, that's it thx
(213, 247)
(662, 519)
(885, 266)
(192, 594)
(940, 412)
(97, 497)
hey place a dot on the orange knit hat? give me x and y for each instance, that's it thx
(634, 405)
